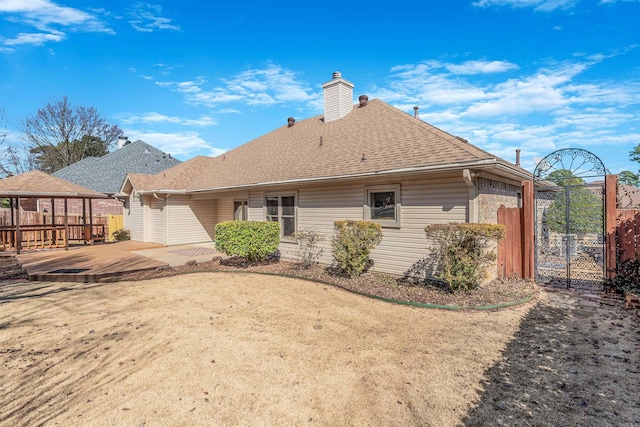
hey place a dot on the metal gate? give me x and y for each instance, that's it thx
(569, 220)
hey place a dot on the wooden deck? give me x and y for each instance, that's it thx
(87, 263)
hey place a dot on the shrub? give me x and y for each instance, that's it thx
(308, 251)
(253, 240)
(463, 252)
(121, 235)
(352, 244)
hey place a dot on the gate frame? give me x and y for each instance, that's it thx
(598, 169)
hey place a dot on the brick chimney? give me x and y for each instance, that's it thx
(338, 98)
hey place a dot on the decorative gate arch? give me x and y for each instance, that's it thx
(569, 220)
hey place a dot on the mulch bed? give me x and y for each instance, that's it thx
(499, 291)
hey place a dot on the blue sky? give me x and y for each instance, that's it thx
(198, 78)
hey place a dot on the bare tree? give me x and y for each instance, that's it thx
(3, 126)
(60, 135)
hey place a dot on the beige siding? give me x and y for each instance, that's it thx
(224, 209)
(190, 221)
(135, 219)
(423, 202)
(154, 215)
(256, 206)
(319, 207)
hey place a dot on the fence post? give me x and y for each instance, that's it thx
(610, 203)
(528, 232)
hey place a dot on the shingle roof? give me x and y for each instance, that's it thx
(370, 139)
(105, 174)
(40, 184)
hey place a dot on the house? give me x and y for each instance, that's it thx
(105, 174)
(366, 161)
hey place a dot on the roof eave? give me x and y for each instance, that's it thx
(40, 194)
(476, 164)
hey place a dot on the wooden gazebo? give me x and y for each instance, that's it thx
(39, 185)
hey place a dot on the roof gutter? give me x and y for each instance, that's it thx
(167, 192)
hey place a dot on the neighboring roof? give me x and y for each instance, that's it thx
(373, 139)
(40, 184)
(105, 174)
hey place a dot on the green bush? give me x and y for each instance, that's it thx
(308, 251)
(121, 235)
(253, 240)
(352, 243)
(463, 252)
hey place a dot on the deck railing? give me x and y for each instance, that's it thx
(49, 236)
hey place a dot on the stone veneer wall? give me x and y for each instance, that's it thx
(491, 195)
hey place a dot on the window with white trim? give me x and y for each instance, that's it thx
(383, 205)
(282, 208)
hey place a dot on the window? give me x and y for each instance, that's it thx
(383, 205)
(283, 210)
(240, 210)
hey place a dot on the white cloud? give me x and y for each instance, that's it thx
(268, 86)
(178, 144)
(430, 83)
(217, 151)
(50, 19)
(481, 67)
(36, 39)
(157, 118)
(555, 106)
(42, 14)
(146, 17)
(537, 5)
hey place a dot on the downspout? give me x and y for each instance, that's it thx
(469, 179)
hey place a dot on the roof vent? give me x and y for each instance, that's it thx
(291, 121)
(338, 98)
(517, 157)
(415, 112)
(363, 99)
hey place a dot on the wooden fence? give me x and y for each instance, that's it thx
(515, 251)
(510, 254)
(104, 225)
(627, 235)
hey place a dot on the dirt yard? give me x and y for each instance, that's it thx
(232, 348)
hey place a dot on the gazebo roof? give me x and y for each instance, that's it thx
(40, 184)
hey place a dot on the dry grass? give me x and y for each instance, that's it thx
(229, 349)
(497, 292)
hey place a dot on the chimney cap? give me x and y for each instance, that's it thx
(337, 75)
